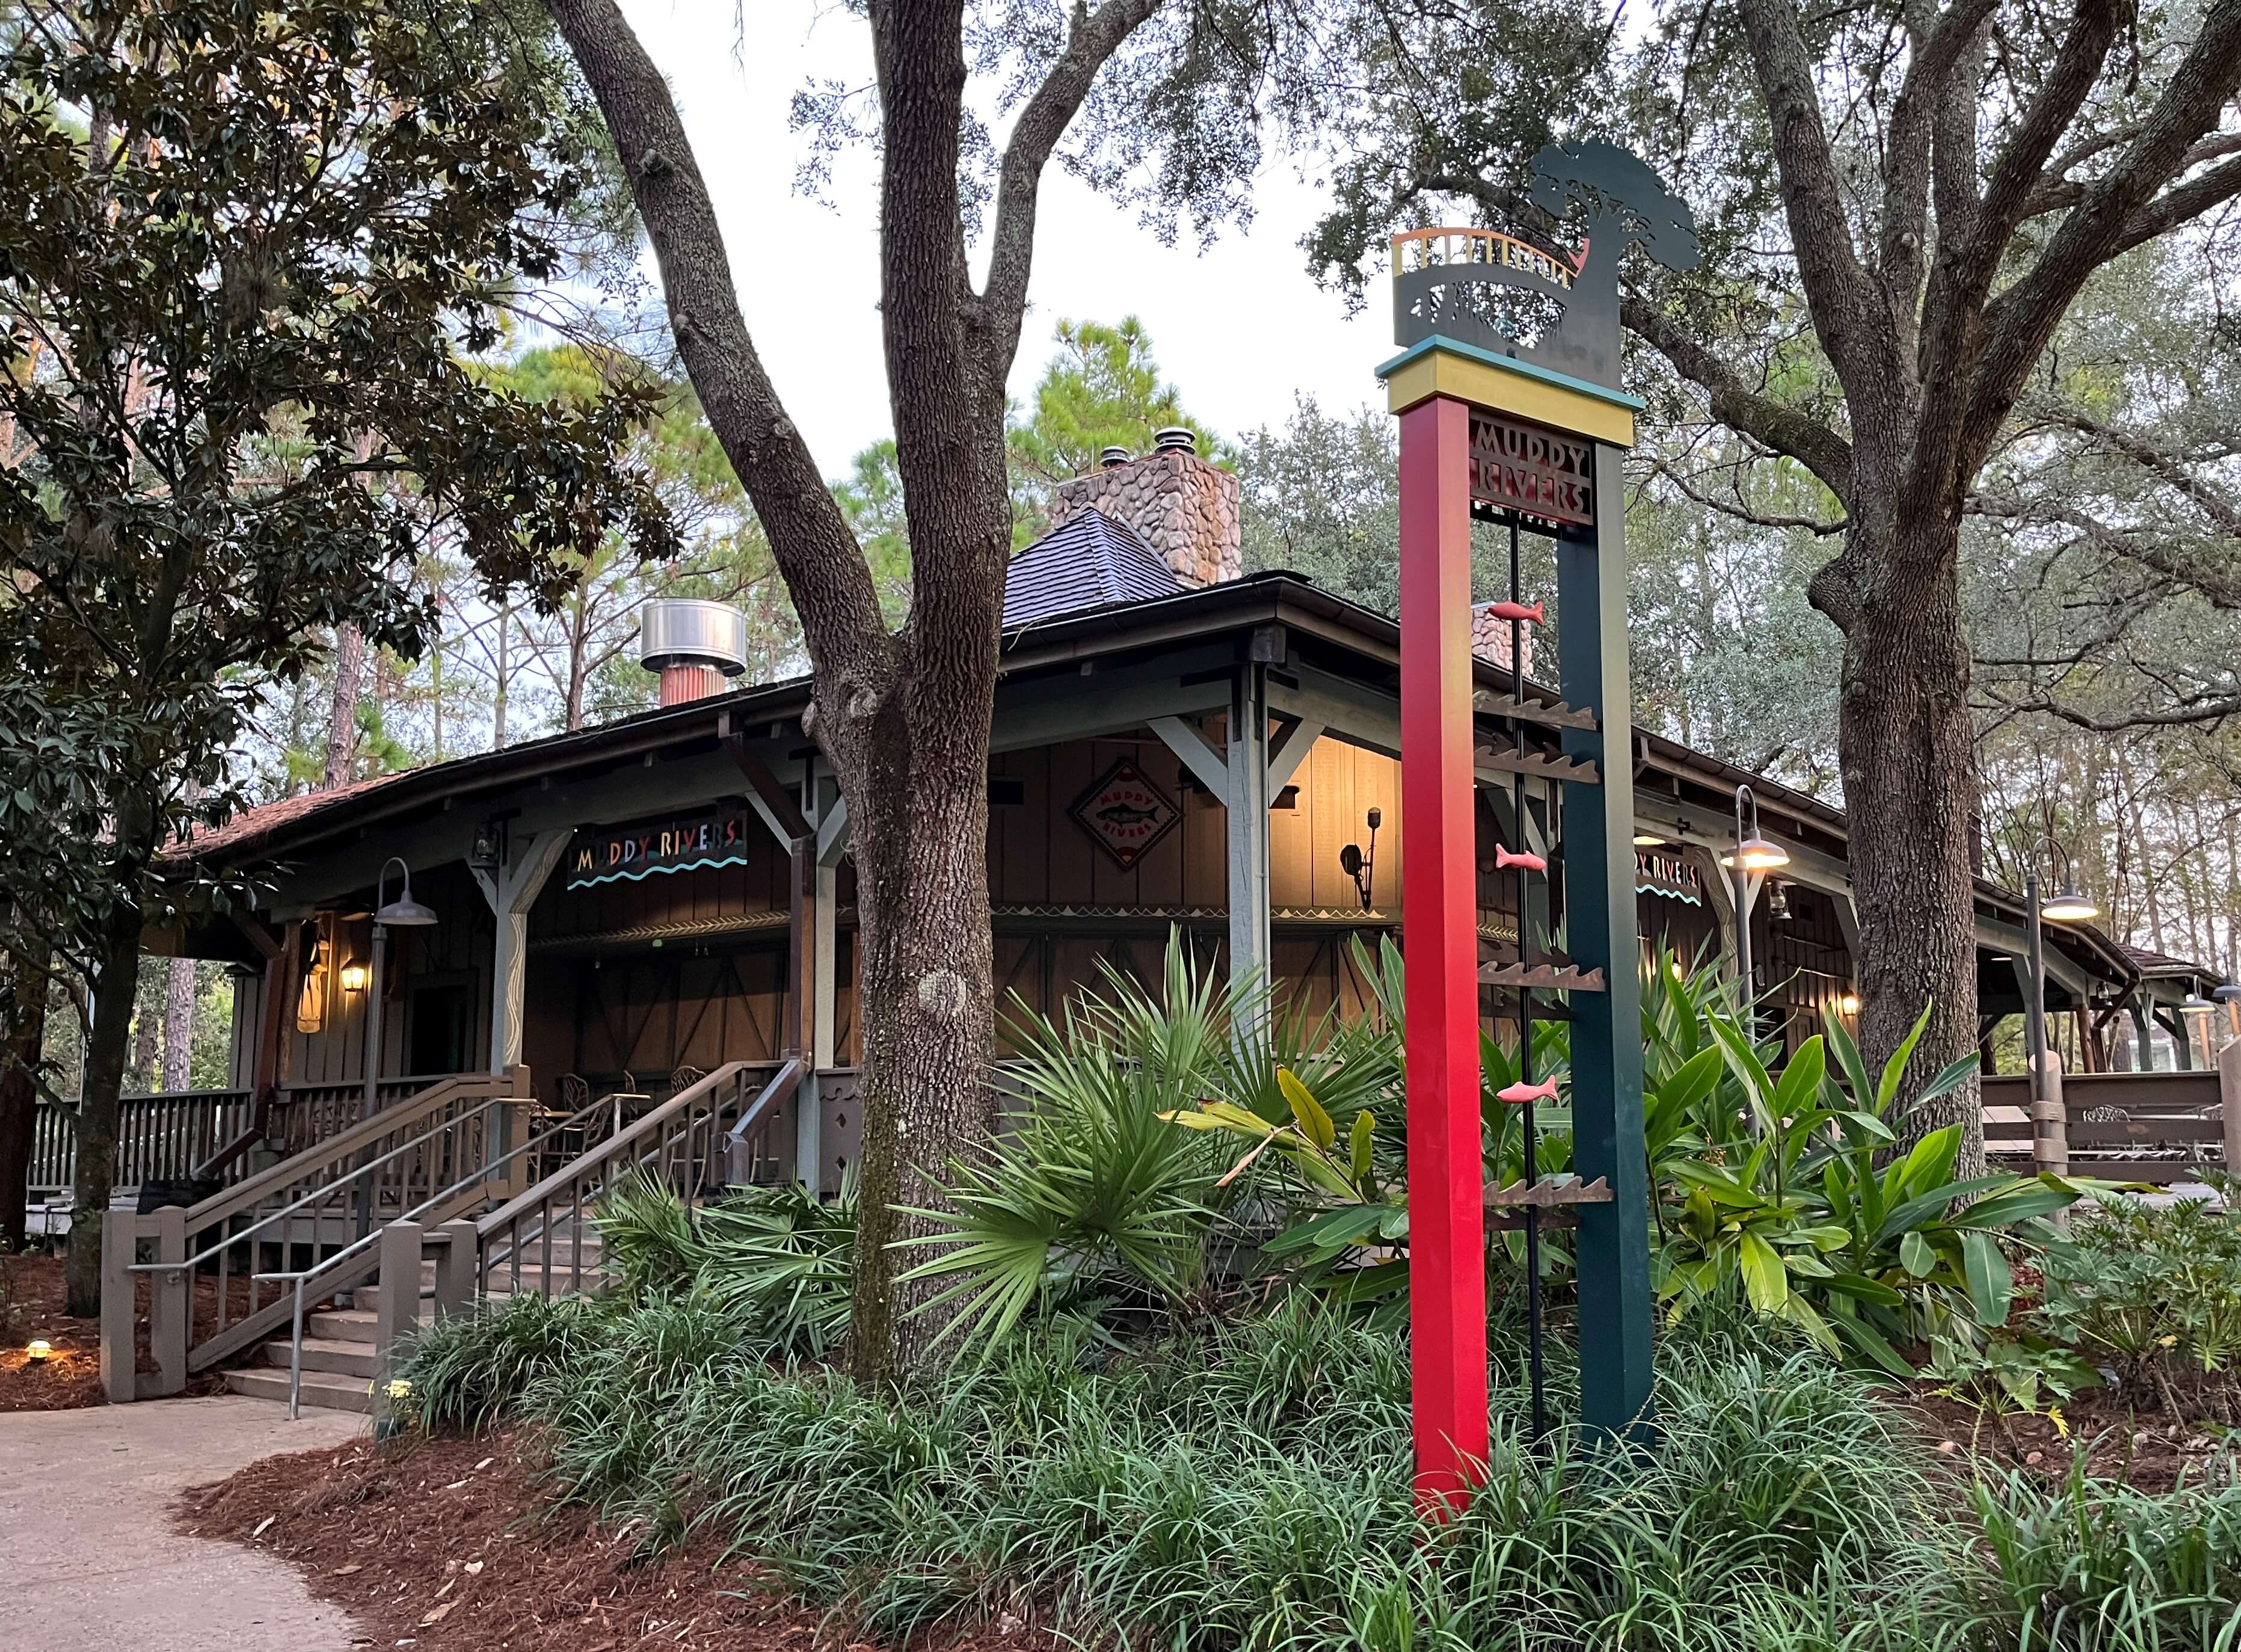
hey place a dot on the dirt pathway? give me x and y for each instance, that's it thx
(93, 1561)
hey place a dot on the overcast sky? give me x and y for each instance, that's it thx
(1238, 329)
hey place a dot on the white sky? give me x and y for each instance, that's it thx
(1237, 330)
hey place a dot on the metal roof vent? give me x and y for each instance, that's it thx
(1176, 438)
(1111, 458)
(694, 645)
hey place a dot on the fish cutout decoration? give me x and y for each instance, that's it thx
(1504, 860)
(1521, 1091)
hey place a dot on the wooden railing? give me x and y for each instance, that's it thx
(159, 1138)
(205, 1304)
(2155, 1128)
(170, 1136)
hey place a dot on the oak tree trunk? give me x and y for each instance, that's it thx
(1906, 744)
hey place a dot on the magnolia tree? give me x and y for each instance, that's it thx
(250, 253)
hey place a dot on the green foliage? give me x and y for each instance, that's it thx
(773, 1262)
(1248, 1488)
(2155, 1294)
(239, 394)
(1100, 389)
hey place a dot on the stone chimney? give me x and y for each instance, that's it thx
(1490, 638)
(1184, 508)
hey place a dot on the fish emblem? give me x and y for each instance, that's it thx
(1126, 814)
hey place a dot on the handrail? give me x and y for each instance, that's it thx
(650, 1124)
(301, 1276)
(756, 1113)
(325, 1189)
(344, 1144)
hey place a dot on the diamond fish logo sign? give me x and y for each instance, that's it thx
(1125, 813)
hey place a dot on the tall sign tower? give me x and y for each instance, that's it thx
(1507, 391)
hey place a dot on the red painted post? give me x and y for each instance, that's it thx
(1447, 1218)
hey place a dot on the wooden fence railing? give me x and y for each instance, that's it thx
(2155, 1128)
(164, 1137)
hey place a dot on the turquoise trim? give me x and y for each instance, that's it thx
(701, 864)
(1546, 375)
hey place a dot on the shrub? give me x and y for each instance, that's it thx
(2155, 1294)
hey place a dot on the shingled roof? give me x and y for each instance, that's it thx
(1090, 562)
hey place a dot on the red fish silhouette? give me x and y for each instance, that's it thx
(1521, 1091)
(1536, 615)
(1504, 859)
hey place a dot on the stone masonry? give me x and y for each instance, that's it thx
(1490, 637)
(1184, 508)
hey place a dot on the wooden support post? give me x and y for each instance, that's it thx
(512, 890)
(397, 1315)
(1446, 1312)
(455, 1269)
(1599, 916)
(1247, 773)
(120, 1305)
(170, 1303)
(2229, 1095)
(2051, 1122)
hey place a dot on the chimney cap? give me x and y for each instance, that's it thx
(1111, 457)
(687, 630)
(1175, 438)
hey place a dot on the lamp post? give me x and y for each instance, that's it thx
(1754, 856)
(2068, 907)
(2192, 1008)
(2230, 995)
(404, 913)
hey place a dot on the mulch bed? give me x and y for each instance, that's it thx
(2146, 1449)
(33, 1311)
(452, 1545)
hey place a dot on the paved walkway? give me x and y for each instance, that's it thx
(93, 1561)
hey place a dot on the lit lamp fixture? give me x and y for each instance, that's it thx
(2068, 906)
(1754, 853)
(404, 913)
(354, 975)
(1648, 840)
(39, 1351)
(2196, 1003)
(1850, 1003)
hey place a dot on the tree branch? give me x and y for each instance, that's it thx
(1090, 44)
(1766, 421)
(824, 570)
(1847, 311)
(2019, 321)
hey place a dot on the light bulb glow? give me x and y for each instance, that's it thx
(1648, 840)
(2068, 907)
(1850, 1003)
(39, 1351)
(355, 976)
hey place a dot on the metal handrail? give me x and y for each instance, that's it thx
(620, 1148)
(300, 1276)
(792, 1073)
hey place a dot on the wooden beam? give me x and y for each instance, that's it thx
(778, 807)
(1200, 758)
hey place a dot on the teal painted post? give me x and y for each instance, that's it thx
(1599, 924)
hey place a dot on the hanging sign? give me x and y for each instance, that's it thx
(1531, 470)
(626, 855)
(1673, 876)
(1125, 813)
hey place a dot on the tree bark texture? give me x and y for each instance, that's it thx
(19, 1103)
(904, 718)
(342, 710)
(1932, 360)
(179, 1025)
(103, 1083)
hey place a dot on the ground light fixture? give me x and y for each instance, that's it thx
(38, 1351)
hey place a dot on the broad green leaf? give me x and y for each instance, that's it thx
(1849, 1062)
(1859, 1286)
(1895, 1069)
(1314, 1123)
(1932, 1206)
(1916, 1255)
(2033, 1197)
(1365, 1127)
(1958, 1073)
(1991, 1286)
(1866, 1340)
(1764, 1278)
(1800, 1080)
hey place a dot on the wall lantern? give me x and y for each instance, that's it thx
(1850, 1003)
(354, 975)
